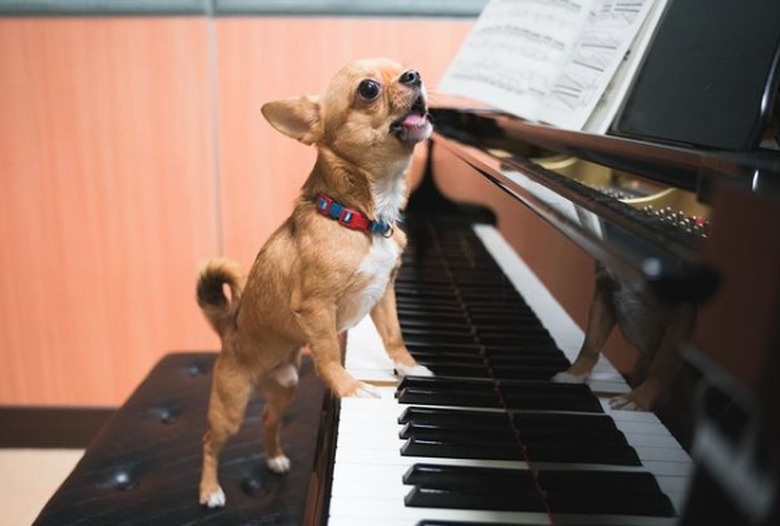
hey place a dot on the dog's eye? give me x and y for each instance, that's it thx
(368, 89)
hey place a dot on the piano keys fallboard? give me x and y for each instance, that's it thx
(489, 440)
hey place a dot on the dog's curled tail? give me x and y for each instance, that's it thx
(214, 275)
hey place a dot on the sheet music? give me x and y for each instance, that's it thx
(546, 60)
(515, 52)
(607, 108)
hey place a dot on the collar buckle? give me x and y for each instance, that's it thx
(345, 217)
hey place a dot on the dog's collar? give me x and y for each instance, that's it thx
(350, 217)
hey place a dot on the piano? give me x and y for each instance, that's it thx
(491, 439)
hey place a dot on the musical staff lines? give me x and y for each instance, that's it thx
(546, 60)
(610, 29)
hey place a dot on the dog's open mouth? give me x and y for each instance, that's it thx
(414, 126)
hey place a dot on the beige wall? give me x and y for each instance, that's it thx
(107, 202)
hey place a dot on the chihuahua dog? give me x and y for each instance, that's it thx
(654, 327)
(333, 261)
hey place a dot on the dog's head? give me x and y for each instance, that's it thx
(373, 108)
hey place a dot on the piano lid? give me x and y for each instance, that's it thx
(625, 239)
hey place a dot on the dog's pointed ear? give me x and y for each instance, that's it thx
(298, 117)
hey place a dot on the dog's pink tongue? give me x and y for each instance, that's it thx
(414, 119)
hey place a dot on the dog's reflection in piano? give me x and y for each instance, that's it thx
(656, 328)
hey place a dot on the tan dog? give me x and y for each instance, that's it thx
(654, 327)
(315, 277)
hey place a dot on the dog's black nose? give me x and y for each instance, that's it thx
(411, 78)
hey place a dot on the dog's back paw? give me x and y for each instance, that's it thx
(279, 465)
(213, 499)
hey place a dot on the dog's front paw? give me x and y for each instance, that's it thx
(279, 465)
(565, 377)
(357, 389)
(401, 369)
(366, 391)
(643, 398)
(625, 403)
(362, 390)
(212, 499)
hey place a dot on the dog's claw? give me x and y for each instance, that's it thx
(367, 391)
(215, 499)
(411, 370)
(570, 378)
(623, 403)
(279, 465)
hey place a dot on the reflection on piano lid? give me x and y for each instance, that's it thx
(606, 206)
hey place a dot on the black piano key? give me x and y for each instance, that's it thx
(544, 357)
(515, 315)
(417, 310)
(432, 382)
(583, 453)
(517, 325)
(500, 433)
(552, 402)
(432, 522)
(427, 324)
(527, 372)
(466, 370)
(512, 351)
(453, 477)
(451, 417)
(550, 447)
(472, 349)
(474, 421)
(460, 356)
(407, 305)
(619, 503)
(579, 492)
(576, 424)
(438, 337)
(447, 397)
(506, 500)
(518, 341)
(463, 447)
(516, 394)
(506, 296)
(549, 396)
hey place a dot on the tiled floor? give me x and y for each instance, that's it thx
(28, 477)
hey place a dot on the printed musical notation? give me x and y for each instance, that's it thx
(546, 60)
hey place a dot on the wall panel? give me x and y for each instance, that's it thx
(107, 202)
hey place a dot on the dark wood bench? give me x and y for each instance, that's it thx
(143, 467)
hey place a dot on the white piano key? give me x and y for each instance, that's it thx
(383, 457)
(365, 357)
(368, 508)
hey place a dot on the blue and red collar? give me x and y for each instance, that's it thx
(351, 218)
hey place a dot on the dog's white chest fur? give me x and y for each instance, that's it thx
(378, 264)
(376, 267)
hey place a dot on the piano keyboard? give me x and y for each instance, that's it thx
(489, 440)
